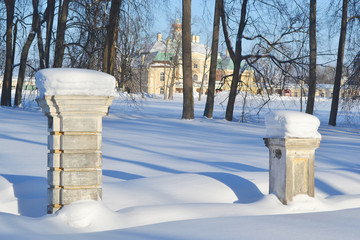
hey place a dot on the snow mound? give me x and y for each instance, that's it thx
(88, 215)
(73, 81)
(173, 189)
(8, 202)
(281, 124)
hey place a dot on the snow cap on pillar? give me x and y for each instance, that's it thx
(74, 81)
(281, 124)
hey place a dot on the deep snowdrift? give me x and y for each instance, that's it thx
(166, 178)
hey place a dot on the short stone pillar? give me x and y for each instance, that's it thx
(292, 139)
(74, 100)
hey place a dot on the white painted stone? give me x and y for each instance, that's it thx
(75, 124)
(85, 141)
(74, 178)
(64, 196)
(291, 166)
(74, 160)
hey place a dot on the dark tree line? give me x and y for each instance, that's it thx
(85, 35)
(276, 39)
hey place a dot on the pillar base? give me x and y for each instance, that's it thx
(291, 166)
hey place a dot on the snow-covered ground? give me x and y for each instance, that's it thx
(167, 178)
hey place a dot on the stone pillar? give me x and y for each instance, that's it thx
(74, 142)
(292, 166)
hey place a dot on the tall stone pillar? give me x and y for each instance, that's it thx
(74, 141)
(292, 141)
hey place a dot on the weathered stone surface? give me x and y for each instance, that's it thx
(74, 160)
(74, 178)
(64, 196)
(75, 124)
(63, 105)
(71, 141)
(291, 166)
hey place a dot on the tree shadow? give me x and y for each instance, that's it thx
(326, 188)
(238, 167)
(31, 194)
(3, 136)
(144, 164)
(121, 175)
(245, 190)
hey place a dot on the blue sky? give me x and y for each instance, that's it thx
(202, 14)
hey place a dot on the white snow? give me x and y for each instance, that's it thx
(166, 178)
(280, 124)
(72, 81)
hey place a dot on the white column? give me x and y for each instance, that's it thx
(74, 141)
(292, 141)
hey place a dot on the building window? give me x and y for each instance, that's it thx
(296, 94)
(161, 90)
(162, 77)
(195, 78)
(195, 65)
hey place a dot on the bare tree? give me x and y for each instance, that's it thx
(85, 46)
(188, 98)
(273, 41)
(6, 87)
(111, 37)
(60, 33)
(49, 16)
(209, 107)
(175, 63)
(312, 65)
(339, 65)
(25, 52)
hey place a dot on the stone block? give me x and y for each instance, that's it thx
(64, 196)
(63, 142)
(69, 104)
(74, 178)
(75, 123)
(74, 160)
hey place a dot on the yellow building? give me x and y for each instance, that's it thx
(160, 67)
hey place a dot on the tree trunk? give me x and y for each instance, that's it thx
(201, 85)
(188, 98)
(236, 59)
(60, 34)
(209, 107)
(40, 48)
(111, 38)
(172, 82)
(25, 51)
(6, 87)
(312, 66)
(49, 27)
(339, 66)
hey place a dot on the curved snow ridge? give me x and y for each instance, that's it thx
(8, 201)
(168, 189)
(91, 216)
(74, 81)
